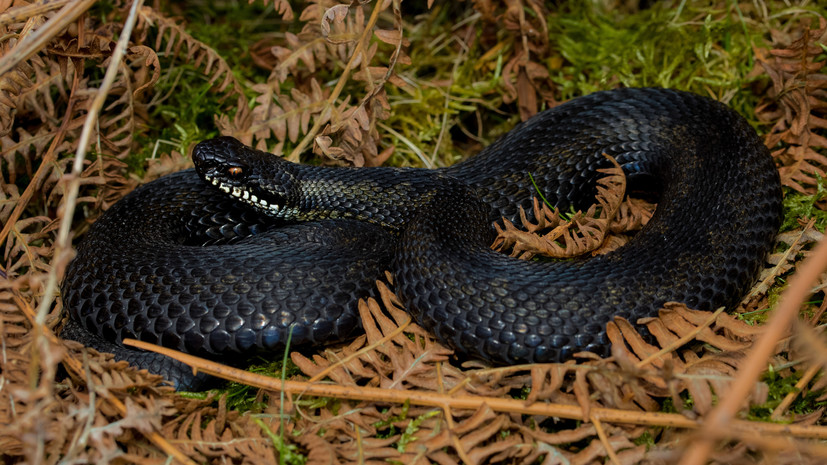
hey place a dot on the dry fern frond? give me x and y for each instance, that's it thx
(214, 433)
(582, 233)
(641, 373)
(25, 92)
(796, 105)
(339, 39)
(172, 39)
(679, 371)
(385, 356)
(27, 88)
(284, 117)
(282, 7)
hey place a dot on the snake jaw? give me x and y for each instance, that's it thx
(272, 204)
(245, 174)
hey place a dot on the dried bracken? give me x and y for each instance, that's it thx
(583, 232)
(335, 74)
(796, 105)
(343, 131)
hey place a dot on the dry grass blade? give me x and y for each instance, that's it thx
(355, 57)
(23, 12)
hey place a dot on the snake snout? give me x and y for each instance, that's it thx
(217, 160)
(256, 178)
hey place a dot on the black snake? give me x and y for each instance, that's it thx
(181, 263)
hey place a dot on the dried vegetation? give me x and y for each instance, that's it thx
(377, 83)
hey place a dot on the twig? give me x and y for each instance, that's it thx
(467, 402)
(680, 342)
(799, 388)
(601, 434)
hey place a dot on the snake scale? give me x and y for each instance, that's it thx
(227, 259)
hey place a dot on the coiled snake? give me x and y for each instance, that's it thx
(199, 260)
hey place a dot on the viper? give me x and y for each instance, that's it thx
(248, 250)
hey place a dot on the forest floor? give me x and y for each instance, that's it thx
(97, 98)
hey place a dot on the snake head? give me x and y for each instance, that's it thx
(257, 178)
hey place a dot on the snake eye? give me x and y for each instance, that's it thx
(234, 171)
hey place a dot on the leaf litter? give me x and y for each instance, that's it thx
(62, 402)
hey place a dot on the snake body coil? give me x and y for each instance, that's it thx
(180, 263)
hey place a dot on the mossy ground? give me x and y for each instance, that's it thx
(456, 96)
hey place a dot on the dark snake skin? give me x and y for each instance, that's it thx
(181, 263)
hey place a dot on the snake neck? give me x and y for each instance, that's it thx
(388, 197)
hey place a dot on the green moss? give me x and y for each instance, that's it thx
(386, 428)
(798, 206)
(182, 117)
(647, 439)
(288, 453)
(409, 435)
(757, 317)
(660, 46)
(183, 104)
(232, 28)
(435, 117)
(668, 405)
(242, 397)
(454, 103)
(779, 387)
(697, 46)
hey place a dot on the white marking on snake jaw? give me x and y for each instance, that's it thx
(249, 198)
